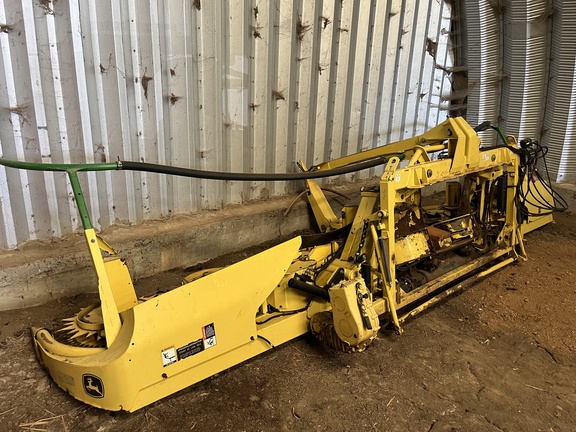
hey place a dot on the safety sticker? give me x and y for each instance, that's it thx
(208, 340)
(168, 356)
(190, 349)
(209, 336)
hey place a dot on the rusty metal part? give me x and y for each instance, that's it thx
(407, 220)
(440, 238)
(322, 326)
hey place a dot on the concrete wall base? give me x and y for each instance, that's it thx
(40, 271)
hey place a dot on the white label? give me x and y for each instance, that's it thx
(485, 157)
(209, 336)
(209, 342)
(397, 178)
(168, 356)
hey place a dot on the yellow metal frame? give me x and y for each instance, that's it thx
(176, 339)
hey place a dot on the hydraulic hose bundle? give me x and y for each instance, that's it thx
(532, 154)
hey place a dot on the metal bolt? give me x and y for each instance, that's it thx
(493, 157)
(429, 173)
(422, 140)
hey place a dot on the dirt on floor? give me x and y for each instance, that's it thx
(501, 356)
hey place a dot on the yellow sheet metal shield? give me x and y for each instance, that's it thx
(175, 339)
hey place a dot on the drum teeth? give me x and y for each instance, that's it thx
(85, 329)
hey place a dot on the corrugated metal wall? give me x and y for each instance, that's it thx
(246, 86)
(522, 58)
(559, 130)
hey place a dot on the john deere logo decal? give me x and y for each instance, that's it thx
(93, 386)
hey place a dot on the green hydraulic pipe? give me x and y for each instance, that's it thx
(80, 201)
(113, 166)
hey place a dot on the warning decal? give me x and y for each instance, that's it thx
(168, 356)
(190, 349)
(209, 336)
(171, 355)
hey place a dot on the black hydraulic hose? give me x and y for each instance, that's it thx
(366, 273)
(387, 271)
(309, 288)
(215, 175)
(501, 193)
(325, 238)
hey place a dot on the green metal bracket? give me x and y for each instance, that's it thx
(80, 201)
